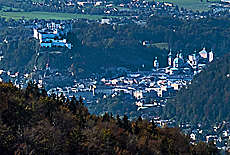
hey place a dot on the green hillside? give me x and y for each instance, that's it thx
(48, 15)
(207, 99)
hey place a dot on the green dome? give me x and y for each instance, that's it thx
(178, 61)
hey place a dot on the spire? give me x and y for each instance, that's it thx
(194, 53)
(170, 58)
(47, 66)
(156, 63)
(170, 52)
(210, 56)
(181, 56)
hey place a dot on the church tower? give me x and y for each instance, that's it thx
(47, 67)
(170, 59)
(195, 62)
(180, 55)
(156, 63)
(210, 56)
(176, 61)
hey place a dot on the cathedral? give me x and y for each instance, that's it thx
(193, 65)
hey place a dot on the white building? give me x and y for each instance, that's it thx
(105, 21)
(50, 36)
(228, 1)
(47, 44)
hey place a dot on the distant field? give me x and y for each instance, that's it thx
(48, 15)
(191, 4)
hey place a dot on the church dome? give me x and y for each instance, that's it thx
(178, 62)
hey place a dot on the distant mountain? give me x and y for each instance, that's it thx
(206, 99)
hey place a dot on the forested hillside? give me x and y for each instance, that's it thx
(96, 45)
(206, 99)
(185, 35)
(33, 123)
(117, 105)
(120, 44)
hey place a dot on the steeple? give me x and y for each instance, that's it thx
(47, 66)
(170, 59)
(194, 53)
(156, 63)
(210, 56)
(195, 60)
(181, 56)
(170, 52)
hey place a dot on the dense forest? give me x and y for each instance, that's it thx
(206, 99)
(120, 44)
(33, 123)
(186, 35)
(117, 105)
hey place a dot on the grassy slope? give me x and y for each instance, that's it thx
(191, 4)
(47, 15)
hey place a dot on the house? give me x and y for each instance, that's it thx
(193, 136)
(46, 44)
(145, 43)
(85, 95)
(211, 138)
(107, 90)
(105, 20)
(98, 3)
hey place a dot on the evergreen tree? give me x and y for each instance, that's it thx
(75, 142)
(126, 124)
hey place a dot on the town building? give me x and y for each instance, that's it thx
(52, 35)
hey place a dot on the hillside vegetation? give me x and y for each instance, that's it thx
(33, 123)
(206, 99)
(96, 45)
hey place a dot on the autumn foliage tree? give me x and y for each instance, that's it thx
(31, 123)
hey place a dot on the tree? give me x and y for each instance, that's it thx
(152, 128)
(73, 105)
(118, 121)
(75, 142)
(126, 124)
